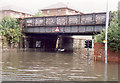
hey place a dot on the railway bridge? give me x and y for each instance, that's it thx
(52, 32)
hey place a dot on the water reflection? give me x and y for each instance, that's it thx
(41, 66)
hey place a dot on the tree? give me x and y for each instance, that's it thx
(10, 29)
(113, 34)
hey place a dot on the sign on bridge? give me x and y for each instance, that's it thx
(57, 29)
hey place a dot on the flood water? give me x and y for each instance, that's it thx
(54, 66)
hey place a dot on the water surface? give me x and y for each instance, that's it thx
(54, 66)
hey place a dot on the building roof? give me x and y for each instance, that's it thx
(17, 9)
(59, 5)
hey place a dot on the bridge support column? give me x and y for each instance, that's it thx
(65, 43)
(26, 42)
(59, 42)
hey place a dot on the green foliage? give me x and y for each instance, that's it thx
(113, 34)
(39, 14)
(10, 29)
(100, 37)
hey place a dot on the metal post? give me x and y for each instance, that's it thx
(88, 49)
(105, 72)
(106, 30)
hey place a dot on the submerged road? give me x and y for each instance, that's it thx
(54, 66)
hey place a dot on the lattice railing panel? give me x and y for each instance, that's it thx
(61, 20)
(73, 20)
(86, 19)
(100, 18)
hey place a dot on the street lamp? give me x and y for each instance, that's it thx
(106, 30)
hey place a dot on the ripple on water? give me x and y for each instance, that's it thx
(53, 72)
(26, 74)
(99, 75)
(47, 69)
(65, 63)
(53, 67)
(83, 77)
(29, 70)
(81, 71)
(74, 68)
(61, 70)
(54, 77)
(73, 74)
(11, 68)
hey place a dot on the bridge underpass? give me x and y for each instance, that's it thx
(54, 32)
(53, 42)
(48, 42)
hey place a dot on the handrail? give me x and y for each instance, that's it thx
(66, 20)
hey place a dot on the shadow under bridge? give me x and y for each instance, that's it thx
(48, 42)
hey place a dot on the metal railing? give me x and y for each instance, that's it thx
(66, 20)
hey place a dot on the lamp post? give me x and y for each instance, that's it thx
(106, 30)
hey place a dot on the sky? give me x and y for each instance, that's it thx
(85, 6)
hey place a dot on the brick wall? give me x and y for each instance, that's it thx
(99, 51)
(53, 12)
(57, 12)
(13, 14)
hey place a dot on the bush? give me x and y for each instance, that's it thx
(10, 29)
(113, 34)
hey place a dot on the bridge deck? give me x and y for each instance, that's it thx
(94, 22)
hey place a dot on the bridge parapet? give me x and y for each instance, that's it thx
(67, 20)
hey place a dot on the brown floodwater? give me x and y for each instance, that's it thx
(54, 66)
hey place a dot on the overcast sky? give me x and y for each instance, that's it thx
(86, 6)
